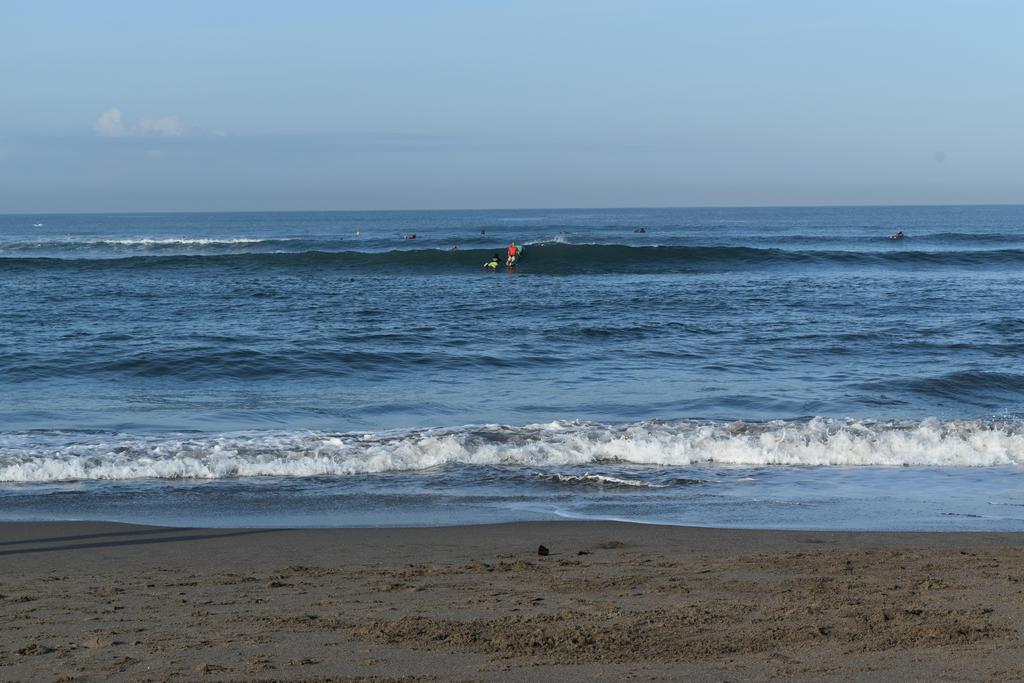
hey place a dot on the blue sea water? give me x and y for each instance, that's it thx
(780, 368)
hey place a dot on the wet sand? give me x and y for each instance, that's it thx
(612, 601)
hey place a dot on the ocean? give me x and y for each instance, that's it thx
(789, 368)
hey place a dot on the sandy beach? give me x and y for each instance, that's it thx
(611, 601)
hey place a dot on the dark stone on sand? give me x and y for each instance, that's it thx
(542, 551)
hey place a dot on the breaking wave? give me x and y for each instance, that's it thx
(70, 247)
(65, 456)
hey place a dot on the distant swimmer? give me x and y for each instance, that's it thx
(898, 235)
(640, 230)
(483, 232)
(493, 262)
(513, 254)
(409, 237)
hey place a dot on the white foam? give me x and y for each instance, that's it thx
(184, 241)
(142, 242)
(602, 480)
(819, 442)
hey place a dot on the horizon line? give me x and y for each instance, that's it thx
(534, 208)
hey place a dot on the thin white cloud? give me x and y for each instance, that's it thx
(111, 124)
(164, 127)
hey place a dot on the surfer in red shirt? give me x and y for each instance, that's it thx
(513, 251)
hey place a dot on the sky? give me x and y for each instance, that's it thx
(403, 104)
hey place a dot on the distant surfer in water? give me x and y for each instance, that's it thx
(409, 237)
(513, 254)
(898, 235)
(493, 262)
